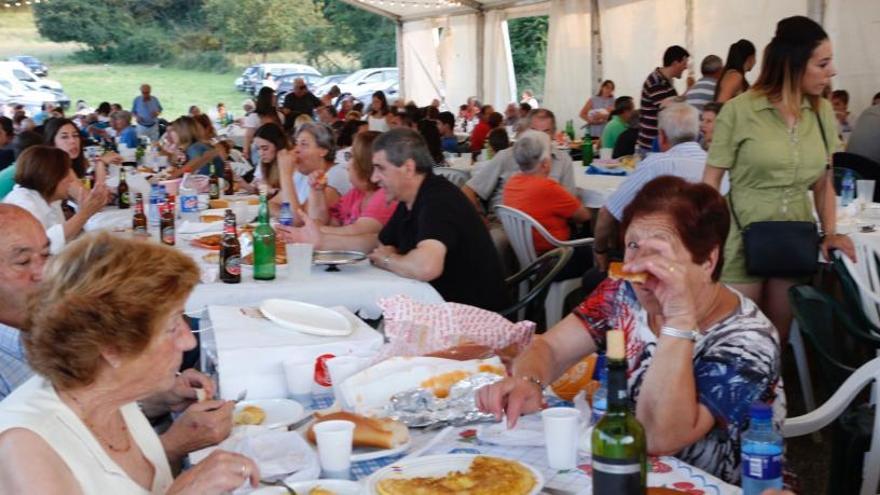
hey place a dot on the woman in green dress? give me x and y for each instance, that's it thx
(769, 139)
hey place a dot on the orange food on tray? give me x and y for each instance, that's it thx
(280, 257)
(211, 242)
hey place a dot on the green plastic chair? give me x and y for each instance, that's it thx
(862, 329)
(818, 314)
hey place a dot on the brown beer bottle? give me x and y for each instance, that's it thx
(230, 252)
(214, 183)
(166, 224)
(123, 197)
(229, 179)
(139, 221)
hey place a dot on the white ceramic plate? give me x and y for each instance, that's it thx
(359, 454)
(306, 318)
(339, 487)
(437, 465)
(279, 412)
(529, 432)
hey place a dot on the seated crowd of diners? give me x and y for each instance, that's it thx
(92, 332)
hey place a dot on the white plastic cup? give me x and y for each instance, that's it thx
(334, 440)
(299, 260)
(605, 154)
(865, 190)
(561, 431)
(300, 377)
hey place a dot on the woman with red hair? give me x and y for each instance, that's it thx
(699, 353)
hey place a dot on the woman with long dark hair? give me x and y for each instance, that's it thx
(264, 113)
(740, 60)
(775, 142)
(431, 134)
(379, 114)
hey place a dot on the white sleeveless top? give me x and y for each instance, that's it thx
(379, 124)
(35, 406)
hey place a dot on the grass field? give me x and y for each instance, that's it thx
(20, 37)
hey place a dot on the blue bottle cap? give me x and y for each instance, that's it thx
(761, 410)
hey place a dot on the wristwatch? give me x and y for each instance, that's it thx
(679, 334)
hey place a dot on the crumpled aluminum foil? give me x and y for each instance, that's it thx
(419, 407)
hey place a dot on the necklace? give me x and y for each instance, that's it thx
(101, 438)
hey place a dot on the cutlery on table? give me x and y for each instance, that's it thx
(281, 483)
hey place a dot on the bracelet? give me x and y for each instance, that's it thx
(679, 334)
(536, 381)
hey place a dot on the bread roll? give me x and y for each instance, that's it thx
(368, 432)
(250, 415)
(615, 272)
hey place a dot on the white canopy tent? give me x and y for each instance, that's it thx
(453, 49)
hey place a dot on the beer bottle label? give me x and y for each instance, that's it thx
(168, 235)
(124, 199)
(233, 265)
(140, 229)
(618, 476)
(215, 190)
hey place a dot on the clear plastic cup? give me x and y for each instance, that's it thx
(299, 260)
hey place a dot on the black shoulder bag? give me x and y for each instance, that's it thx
(783, 249)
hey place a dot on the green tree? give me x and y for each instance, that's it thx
(528, 45)
(370, 37)
(99, 25)
(261, 26)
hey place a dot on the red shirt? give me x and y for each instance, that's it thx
(478, 136)
(546, 201)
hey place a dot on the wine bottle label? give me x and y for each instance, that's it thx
(168, 235)
(617, 476)
(762, 466)
(233, 265)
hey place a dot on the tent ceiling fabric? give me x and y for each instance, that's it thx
(415, 9)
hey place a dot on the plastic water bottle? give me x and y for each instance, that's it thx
(848, 189)
(285, 216)
(189, 201)
(153, 212)
(600, 396)
(761, 452)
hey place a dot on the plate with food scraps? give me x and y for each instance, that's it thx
(271, 413)
(333, 258)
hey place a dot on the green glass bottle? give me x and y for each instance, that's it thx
(587, 150)
(618, 443)
(264, 243)
(569, 129)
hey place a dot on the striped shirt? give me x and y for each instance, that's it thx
(656, 89)
(14, 368)
(685, 160)
(702, 92)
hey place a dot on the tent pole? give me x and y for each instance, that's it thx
(401, 68)
(596, 45)
(689, 34)
(816, 10)
(481, 53)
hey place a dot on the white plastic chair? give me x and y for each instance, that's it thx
(796, 341)
(454, 175)
(867, 374)
(518, 227)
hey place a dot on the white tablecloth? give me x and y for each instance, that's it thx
(594, 190)
(356, 287)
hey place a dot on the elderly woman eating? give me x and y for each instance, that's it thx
(104, 330)
(699, 353)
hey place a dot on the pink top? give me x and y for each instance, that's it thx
(348, 209)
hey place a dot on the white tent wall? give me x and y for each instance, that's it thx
(854, 29)
(458, 58)
(635, 33)
(499, 84)
(720, 23)
(421, 77)
(568, 74)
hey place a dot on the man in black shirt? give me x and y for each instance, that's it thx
(297, 102)
(435, 235)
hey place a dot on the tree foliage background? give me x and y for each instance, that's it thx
(202, 34)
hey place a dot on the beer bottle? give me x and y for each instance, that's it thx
(230, 252)
(229, 179)
(122, 195)
(214, 183)
(264, 243)
(166, 224)
(139, 221)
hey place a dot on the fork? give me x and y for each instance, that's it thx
(290, 491)
(241, 396)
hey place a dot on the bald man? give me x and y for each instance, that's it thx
(24, 250)
(146, 109)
